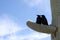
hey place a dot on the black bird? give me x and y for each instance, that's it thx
(38, 19)
(44, 20)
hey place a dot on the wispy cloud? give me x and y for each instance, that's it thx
(32, 36)
(7, 26)
(33, 3)
(35, 36)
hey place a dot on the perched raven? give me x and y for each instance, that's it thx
(38, 20)
(44, 20)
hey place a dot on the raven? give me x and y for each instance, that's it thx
(44, 20)
(38, 20)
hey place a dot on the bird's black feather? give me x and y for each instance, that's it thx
(44, 20)
(38, 20)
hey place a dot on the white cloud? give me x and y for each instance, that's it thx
(32, 36)
(33, 3)
(35, 35)
(7, 26)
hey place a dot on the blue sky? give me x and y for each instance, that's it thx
(15, 13)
